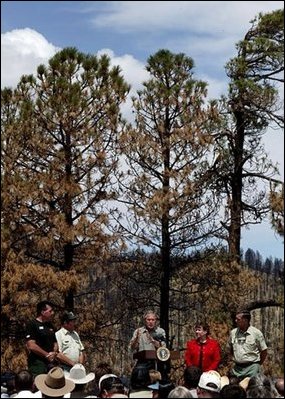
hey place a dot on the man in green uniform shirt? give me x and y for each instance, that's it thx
(248, 347)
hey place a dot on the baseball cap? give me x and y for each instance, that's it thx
(68, 316)
(210, 381)
(154, 386)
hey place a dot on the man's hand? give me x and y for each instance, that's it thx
(51, 356)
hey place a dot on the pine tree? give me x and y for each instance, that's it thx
(59, 136)
(166, 185)
(244, 171)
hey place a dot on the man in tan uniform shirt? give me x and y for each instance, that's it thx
(248, 347)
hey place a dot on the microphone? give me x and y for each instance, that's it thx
(159, 337)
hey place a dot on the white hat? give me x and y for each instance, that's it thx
(77, 374)
(210, 381)
(104, 377)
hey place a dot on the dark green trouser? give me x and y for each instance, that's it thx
(37, 366)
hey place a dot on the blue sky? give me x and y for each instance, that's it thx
(131, 31)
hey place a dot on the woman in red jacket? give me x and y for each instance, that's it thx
(203, 352)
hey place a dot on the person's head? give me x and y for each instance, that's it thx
(192, 376)
(180, 392)
(140, 378)
(110, 384)
(242, 319)
(150, 319)
(8, 382)
(209, 384)
(101, 369)
(279, 385)
(45, 310)
(54, 384)
(155, 375)
(68, 320)
(232, 391)
(260, 386)
(165, 388)
(24, 381)
(202, 329)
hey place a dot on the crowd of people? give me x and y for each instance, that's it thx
(56, 364)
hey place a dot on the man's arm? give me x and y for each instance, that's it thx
(32, 346)
(263, 355)
(134, 342)
(64, 359)
(55, 347)
(82, 357)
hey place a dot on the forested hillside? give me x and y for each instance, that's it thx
(112, 305)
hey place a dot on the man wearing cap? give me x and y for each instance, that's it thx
(247, 346)
(209, 385)
(70, 347)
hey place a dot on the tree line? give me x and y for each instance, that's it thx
(270, 265)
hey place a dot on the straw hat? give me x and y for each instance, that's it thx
(244, 383)
(77, 374)
(54, 383)
(224, 381)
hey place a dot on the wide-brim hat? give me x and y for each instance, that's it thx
(54, 383)
(78, 375)
(244, 383)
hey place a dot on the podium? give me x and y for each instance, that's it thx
(149, 359)
(145, 355)
(142, 356)
(174, 355)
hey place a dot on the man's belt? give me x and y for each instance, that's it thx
(246, 364)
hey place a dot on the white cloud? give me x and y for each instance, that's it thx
(133, 70)
(205, 30)
(22, 51)
(198, 16)
(134, 73)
